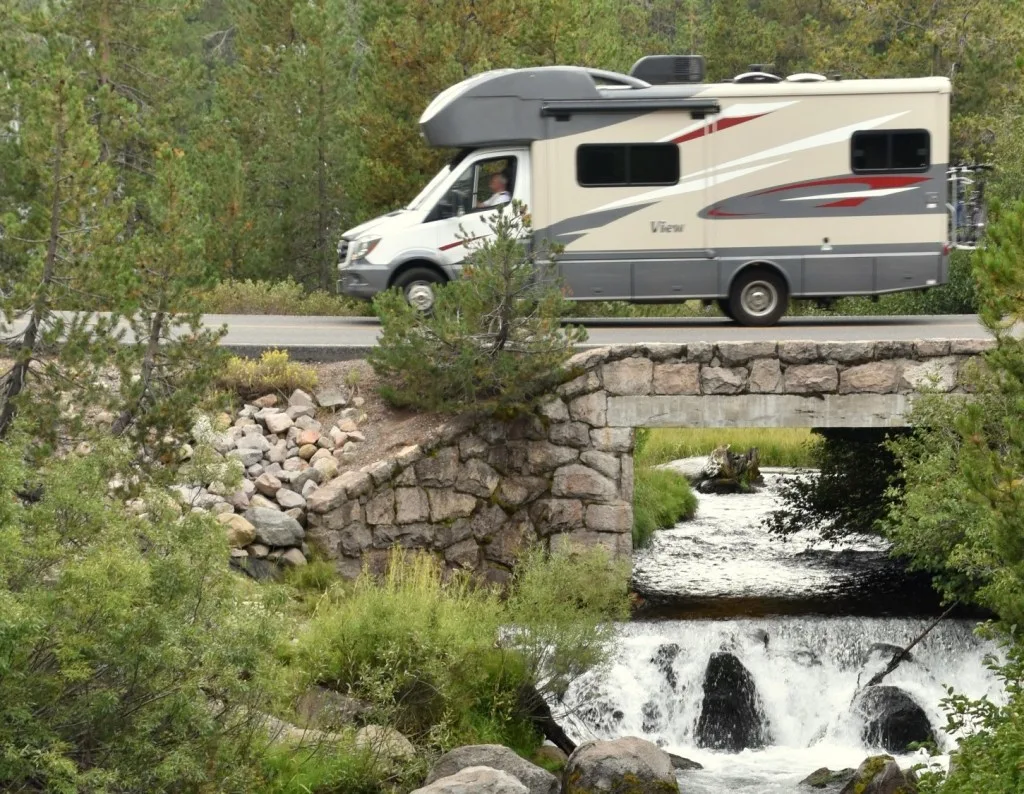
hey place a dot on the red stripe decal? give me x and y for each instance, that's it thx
(850, 202)
(873, 182)
(718, 126)
(457, 243)
(717, 213)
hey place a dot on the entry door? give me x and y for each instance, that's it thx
(485, 186)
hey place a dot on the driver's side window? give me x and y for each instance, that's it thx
(482, 185)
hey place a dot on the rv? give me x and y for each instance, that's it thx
(662, 188)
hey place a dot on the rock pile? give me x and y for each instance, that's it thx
(287, 454)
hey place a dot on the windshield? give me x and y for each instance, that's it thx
(417, 202)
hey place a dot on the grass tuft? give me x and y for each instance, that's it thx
(279, 297)
(661, 499)
(273, 372)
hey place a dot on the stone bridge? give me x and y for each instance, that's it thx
(478, 491)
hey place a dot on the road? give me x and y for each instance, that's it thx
(341, 338)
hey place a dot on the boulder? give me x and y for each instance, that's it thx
(825, 777)
(880, 774)
(239, 531)
(731, 713)
(326, 709)
(495, 756)
(684, 764)
(475, 780)
(892, 720)
(664, 658)
(627, 764)
(386, 742)
(274, 528)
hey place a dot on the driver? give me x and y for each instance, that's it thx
(499, 191)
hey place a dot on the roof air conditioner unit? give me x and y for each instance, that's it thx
(669, 69)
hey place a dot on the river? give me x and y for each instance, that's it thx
(801, 616)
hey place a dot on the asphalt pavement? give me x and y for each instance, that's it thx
(341, 338)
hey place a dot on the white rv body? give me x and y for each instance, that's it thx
(748, 193)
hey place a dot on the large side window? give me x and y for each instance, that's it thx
(621, 165)
(890, 150)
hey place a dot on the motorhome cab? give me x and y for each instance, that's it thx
(662, 188)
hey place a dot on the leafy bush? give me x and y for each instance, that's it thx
(990, 736)
(131, 659)
(274, 372)
(857, 479)
(494, 338)
(433, 654)
(661, 499)
(286, 297)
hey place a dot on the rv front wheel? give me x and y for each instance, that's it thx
(419, 285)
(758, 297)
(725, 308)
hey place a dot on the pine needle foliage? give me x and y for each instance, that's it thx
(494, 339)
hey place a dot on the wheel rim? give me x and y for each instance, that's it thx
(759, 298)
(420, 295)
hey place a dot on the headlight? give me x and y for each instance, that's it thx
(361, 248)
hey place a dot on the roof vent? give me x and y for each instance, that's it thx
(669, 69)
(759, 73)
(806, 77)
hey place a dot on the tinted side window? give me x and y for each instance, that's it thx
(619, 165)
(654, 164)
(601, 165)
(890, 150)
(910, 151)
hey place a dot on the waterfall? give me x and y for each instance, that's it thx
(832, 619)
(806, 670)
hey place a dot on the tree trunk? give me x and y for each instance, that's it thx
(128, 415)
(18, 376)
(533, 706)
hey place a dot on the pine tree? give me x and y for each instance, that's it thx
(57, 222)
(179, 357)
(494, 339)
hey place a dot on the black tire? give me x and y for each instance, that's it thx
(758, 297)
(418, 284)
(725, 308)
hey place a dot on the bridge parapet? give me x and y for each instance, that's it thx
(478, 491)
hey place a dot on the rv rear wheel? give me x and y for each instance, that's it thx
(725, 308)
(758, 297)
(420, 287)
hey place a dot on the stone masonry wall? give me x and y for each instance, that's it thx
(476, 492)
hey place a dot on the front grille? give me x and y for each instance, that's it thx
(343, 252)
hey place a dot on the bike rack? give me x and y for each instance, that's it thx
(965, 207)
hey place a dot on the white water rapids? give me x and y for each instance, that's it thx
(806, 673)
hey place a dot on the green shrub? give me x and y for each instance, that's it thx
(335, 770)
(131, 659)
(428, 650)
(274, 372)
(286, 297)
(493, 340)
(661, 499)
(990, 736)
